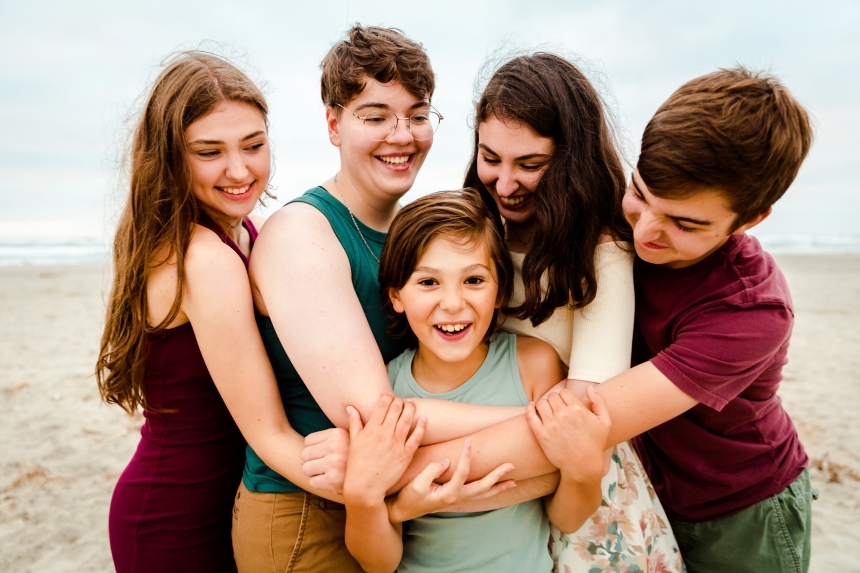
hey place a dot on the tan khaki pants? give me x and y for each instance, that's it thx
(289, 533)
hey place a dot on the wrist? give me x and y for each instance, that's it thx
(395, 513)
(362, 497)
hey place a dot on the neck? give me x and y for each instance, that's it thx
(438, 376)
(375, 212)
(519, 236)
(230, 225)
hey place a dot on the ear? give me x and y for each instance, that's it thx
(747, 226)
(331, 121)
(396, 303)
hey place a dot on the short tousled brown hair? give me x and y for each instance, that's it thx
(384, 54)
(459, 216)
(735, 131)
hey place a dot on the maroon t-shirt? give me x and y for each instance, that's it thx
(719, 330)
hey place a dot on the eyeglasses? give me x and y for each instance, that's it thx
(380, 125)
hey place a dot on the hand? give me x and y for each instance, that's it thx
(324, 459)
(423, 495)
(380, 452)
(572, 437)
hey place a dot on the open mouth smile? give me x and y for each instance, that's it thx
(398, 162)
(515, 202)
(236, 191)
(453, 331)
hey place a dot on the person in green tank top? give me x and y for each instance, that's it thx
(314, 281)
(447, 273)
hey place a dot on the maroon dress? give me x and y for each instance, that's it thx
(171, 509)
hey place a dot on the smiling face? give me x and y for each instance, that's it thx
(511, 160)
(384, 168)
(228, 155)
(449, 300)
(678, 232)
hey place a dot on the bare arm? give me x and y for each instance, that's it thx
(637, 400)
(217, 301)
(302, 277)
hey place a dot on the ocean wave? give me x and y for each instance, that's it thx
(52, 251)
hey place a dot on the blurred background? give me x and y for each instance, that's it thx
(72, 73)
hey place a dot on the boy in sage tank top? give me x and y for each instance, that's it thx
(445, 274)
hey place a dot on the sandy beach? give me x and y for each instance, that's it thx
(61, 449)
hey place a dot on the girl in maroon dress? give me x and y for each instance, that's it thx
(181, 341)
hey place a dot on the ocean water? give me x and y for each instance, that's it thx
(78, 250)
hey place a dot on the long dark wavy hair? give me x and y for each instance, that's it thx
(579, 195)
(160, 212)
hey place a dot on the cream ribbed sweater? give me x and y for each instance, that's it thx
(594, 342)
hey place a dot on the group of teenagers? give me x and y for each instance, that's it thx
(447, 385)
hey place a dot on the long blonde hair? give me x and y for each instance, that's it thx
(160, 212)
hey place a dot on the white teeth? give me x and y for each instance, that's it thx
(513, 200)
(397, 160)
(235, 190)
(451, 327)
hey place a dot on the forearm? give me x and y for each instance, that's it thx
(281, 450)
(572, 503)
(371, 538)
(526, 490)
(448, 420)
(509, 441)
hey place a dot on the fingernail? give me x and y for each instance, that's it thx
(423, 418)
(445, 462)
(469, 442)
(410, 400)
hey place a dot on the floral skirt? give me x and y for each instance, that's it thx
(628, 533)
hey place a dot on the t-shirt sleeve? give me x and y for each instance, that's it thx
(721, 350)
(603, 330)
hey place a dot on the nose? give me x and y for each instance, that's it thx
(452, 299)
(237, 169)
(401, 134)
(507, 183)
(646, 226)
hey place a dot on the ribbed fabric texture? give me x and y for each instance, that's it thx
(593, 342)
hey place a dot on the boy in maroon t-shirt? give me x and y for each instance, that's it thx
(713, 322)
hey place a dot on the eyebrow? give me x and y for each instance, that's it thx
(677, 219)
(470, 268)
(521, 157)
(379, 105)
(219, 142)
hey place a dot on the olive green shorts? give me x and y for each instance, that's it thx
(771, 536)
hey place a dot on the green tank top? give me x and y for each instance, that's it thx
(302, 410)
(513, 538)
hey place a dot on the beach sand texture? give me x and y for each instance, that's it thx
(62, 450)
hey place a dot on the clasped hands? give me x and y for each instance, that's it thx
(365, 462)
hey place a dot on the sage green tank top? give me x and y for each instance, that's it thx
(302, 410)
(513, 538)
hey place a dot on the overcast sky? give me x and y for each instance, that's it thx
(71, 72)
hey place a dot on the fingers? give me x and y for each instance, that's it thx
(317, 437)
(429, 474)
(404, 424)
(598, 405)
(414, 440)
(355, 425)
(461, 472)
(392, 416)
(380, 410)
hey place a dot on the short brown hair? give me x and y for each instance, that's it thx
(736, 131)
(460, 216)
(384, 54)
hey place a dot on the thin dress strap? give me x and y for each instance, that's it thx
(204, 220)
